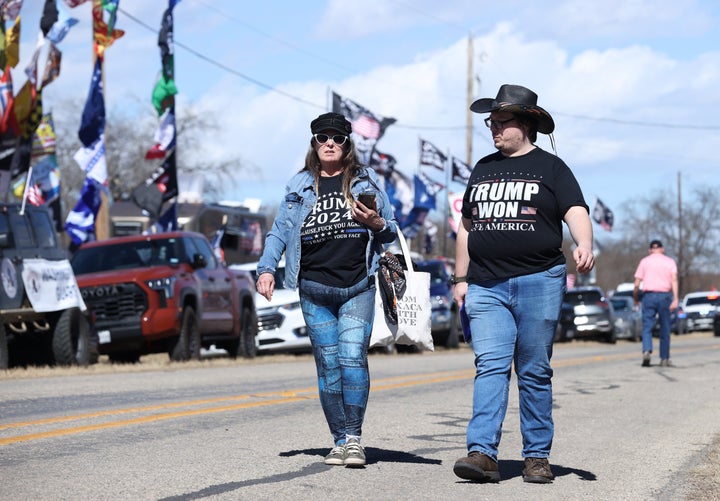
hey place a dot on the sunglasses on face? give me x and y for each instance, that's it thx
(497, 124)
(338, 139)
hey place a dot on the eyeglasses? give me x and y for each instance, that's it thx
(497, 124)
(338, 139)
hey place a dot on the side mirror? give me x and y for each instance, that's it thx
(199, 261)
(4, 240)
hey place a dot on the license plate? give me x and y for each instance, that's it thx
(103, 337)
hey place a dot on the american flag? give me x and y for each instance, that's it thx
(35, 195)
(528, 210)
(366, 126)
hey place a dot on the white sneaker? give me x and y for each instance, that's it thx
(354, 453)
(336, 456)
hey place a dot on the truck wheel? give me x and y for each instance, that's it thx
(188, 343)
(71, 339)
(4, 354)
(248, 330)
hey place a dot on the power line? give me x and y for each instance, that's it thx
(640, 123)
(351, 71)
(226, 68)
(267, 86)
(271, 88)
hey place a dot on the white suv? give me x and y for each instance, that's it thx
(281, 325)
(700, 308)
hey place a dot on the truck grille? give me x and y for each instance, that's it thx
(115, 302)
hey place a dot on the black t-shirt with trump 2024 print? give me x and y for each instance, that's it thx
(333, 244)
(516, 206)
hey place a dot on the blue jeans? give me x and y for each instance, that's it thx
(339, 322)
(656, 303)
(513, 321)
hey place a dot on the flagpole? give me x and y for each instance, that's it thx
(446, 205)
(25, 191)
(102, 219)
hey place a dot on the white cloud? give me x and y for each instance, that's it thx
(636, 61)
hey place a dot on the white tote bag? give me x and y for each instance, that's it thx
(413, 309)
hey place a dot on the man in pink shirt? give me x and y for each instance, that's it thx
(658, 275)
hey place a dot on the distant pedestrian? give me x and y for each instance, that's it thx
(512, 278)
(658, 275)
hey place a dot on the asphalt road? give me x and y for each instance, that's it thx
(254, 430)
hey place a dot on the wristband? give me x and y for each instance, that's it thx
(456, 280)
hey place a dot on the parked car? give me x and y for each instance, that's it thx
(677, 317)
(593, 313)
(446, 327)
(565, 330)
(628, 318)
(165, 292)
(281, 326)
(700, 309)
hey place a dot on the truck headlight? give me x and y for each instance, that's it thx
(166, 286)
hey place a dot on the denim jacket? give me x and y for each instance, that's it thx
(299, 200)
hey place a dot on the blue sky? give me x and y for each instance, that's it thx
(633, 85)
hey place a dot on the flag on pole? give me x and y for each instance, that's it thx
(400, 192)
(103, 34)
(602, 215)
(460, 171)
(166, 222)
(91, 156)
(12, 35)
(430, 155)
(160, 187)
(425, 191)
(80, 222)
(367, 126)
(164, 136)
(61, 26)
(6, 100)
(382, 162)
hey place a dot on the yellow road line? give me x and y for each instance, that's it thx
(271, 398)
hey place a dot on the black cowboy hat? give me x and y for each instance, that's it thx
(517, 100)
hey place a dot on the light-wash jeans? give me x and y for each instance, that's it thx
(339, 322)
(513, 321)
(656, 303)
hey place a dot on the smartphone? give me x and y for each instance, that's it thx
(368, 200)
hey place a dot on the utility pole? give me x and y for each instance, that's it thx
(468, 113)
(681, 243)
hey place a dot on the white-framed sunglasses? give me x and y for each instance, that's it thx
(338, 139)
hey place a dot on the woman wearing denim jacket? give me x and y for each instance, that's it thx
(332, 244)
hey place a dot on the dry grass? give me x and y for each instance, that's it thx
(704, 479)
(155, 362)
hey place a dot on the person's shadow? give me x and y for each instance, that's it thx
(512, 468)
(373, 454)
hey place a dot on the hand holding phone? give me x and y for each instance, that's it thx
(368, 200)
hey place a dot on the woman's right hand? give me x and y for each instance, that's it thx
(265, 285)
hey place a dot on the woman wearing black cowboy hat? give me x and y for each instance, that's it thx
(511, 275)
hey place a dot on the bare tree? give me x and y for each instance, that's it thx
(696, 249)
(127, 139)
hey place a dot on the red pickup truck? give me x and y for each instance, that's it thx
(165, 292)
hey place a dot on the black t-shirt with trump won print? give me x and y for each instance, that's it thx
(516, 206)
(333, 243)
